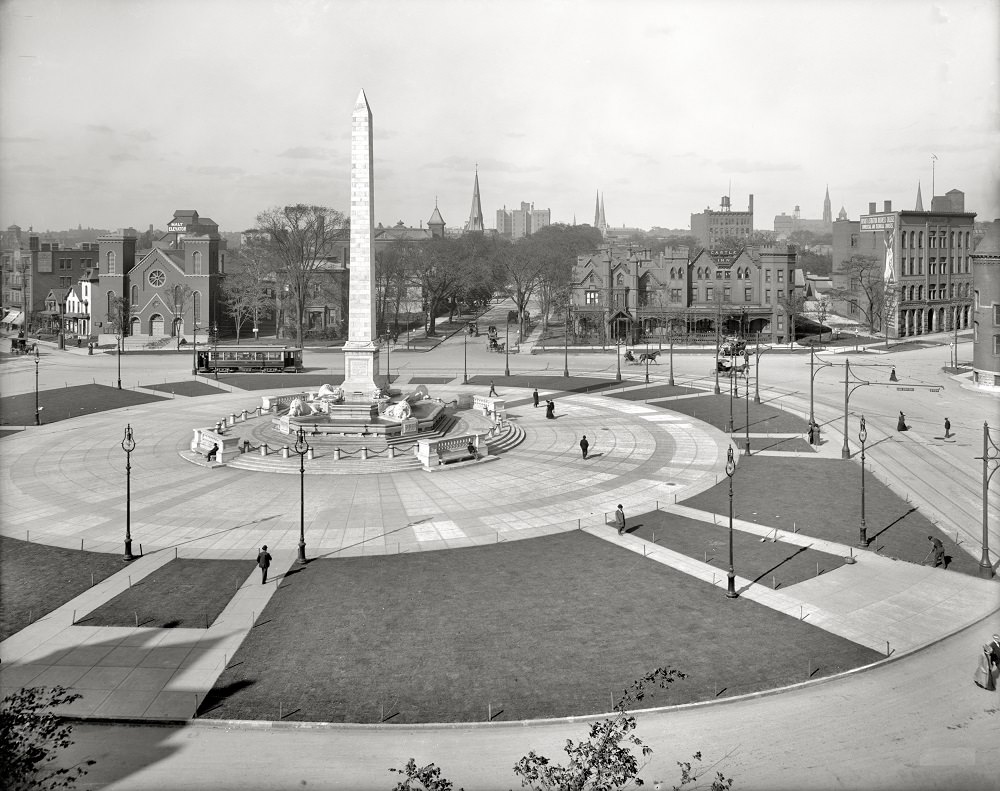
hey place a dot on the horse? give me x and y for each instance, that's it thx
(648, 357)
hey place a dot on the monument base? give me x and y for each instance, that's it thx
(360, 370)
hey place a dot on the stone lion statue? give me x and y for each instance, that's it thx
(398, 411)
(330, 393)
(300, 408)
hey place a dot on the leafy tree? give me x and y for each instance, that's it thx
(246, 295)
(296, 241)
(391, 282)
(180, 298)
(557, 247)
(429, 778)
(792, 304)
(436, 268)
(119, 315)
(604, 761)
(31, 738)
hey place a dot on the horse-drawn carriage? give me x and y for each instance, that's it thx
(643, 358)
(21, 346)
(733, 346)
(473, 329)
(732, 367)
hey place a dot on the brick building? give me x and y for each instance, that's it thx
(986, 321)
(713, 226)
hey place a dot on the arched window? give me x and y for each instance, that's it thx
(920, 240)
(196, 259)
(111, 262)
(902, 240)
(620, 280)
(680, 273)
(196, 303)
(966, 240)
(673, 273)
(951, 239)
(920, 292)
(178, 298)
(959, 238)
(111, 304)
(135, 295)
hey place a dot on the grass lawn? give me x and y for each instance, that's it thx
(68, 402)
(714, 409)
(822, 498)
(781, 444)
(430, 380)
(35, 579)
(655, 391)
(773, 564)
(188, 388)
(187, 593)
(545, 627)
(281, 382)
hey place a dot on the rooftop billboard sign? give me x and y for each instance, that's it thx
(878, 222)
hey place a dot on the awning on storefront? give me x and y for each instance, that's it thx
(14, 318)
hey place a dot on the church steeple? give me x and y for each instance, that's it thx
(920, 200)
(436, 222)
(597, 210)
(475, 222)
(603, 221)
(827, 208)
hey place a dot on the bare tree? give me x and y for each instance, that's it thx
(792, 304)
(297, 241)
(867, 291)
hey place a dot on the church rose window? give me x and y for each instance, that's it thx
(157, 278)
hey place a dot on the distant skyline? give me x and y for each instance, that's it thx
(116, 113)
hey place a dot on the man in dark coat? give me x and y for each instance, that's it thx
(620, 519)
(534, 397)
(584, 445)
(550, 410)
(938, 549)
(264, 561)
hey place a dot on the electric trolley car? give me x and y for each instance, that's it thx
(257, 359)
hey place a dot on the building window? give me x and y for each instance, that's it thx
(709, 293)
(767, 296)
(196, 299)
(781, 275)
(932, 239)
(591, 298)
(675, 295)
(727, 294)
(996, 315)
(718, 274)
(931, 292)
(196, 260)
(996, 345)
(902, 240)
(680, 273)
(135, 295)
(931, 266)
(673, 273)
(920, 240)
(977, 298)
(767, 276)
(748, 295)
(912, 234)
(112, 264)
(157, 278)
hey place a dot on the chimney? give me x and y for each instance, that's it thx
(751, 203)
(888, 206)
(871, 207)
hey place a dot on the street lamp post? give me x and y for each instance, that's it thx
(863, 437)
(118, 355)
(647, 369)
(194, 352)
(566, 344)
(985, 566)
(506, 348)
(756, 372)
(730, 470)
(465, 358)
(128, 445)
(746, 367)
(302, 448)
(845, 452)
(732, 380)
(38, 419)
(618, 356)
(717, 319)
(671, 358)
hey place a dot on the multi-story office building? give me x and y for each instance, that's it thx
(928, 253)
(517, 223)
(722, 225)
(986, 300)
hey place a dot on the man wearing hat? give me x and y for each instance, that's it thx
(264, 561)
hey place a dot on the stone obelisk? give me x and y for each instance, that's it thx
(360, 350)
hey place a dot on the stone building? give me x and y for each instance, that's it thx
(517, 223)
(986, 321)
(626, 294)
(718, 225)
(928, 252)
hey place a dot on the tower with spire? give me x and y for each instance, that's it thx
(920, 200)
(827, 208)
(475, 222)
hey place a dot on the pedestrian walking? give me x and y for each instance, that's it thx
(994, 645)
(534, 397)
(584, 445)
(620, 519)
(550, 409)
(493, 390)
(901, 422)
(947, 428)
(937, 549)
(984, 670)
(812, 435)
(892, 375)
(264, 561)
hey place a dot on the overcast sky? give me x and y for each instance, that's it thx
(115, 113)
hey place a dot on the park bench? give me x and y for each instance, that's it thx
(438, 452)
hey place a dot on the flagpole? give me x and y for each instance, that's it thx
(933, 161)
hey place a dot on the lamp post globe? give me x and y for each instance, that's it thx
(128, 445)
(302, 448)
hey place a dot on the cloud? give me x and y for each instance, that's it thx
(140, 135)
(938, 17)
(303, 152)
(123, 156)
(21, 140)
(485, 165)
(101, 128)
(217, 170)
(741, 165)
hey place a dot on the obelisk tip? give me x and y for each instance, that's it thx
(362, 101)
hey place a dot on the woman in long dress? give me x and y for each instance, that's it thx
(984, 674)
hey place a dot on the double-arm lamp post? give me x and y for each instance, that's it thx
(990, 457)
(566, 343)
(506, 348)
(863, 437)
(38, 417)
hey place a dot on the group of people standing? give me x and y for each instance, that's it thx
(989, 663)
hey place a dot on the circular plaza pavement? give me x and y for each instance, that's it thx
(64, 484)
